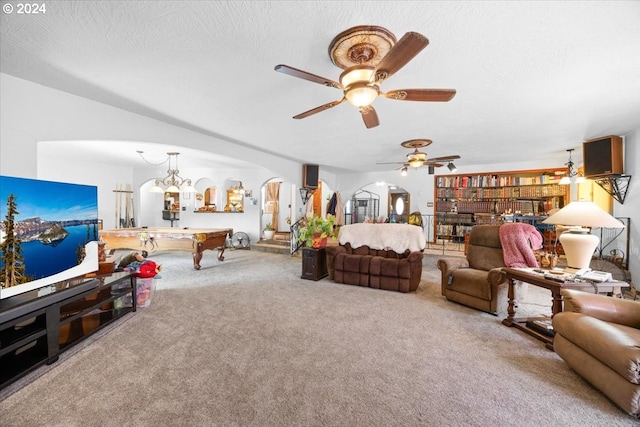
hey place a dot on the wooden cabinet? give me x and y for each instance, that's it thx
(468, 199)
(314, 263)
(35, 327)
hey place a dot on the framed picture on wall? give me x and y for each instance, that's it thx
(248, 193)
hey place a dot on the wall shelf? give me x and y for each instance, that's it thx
(217, 212)
(615, 185)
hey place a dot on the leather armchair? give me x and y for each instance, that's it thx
(477, 280)
(599, 338)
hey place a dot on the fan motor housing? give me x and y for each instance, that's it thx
(361, 45)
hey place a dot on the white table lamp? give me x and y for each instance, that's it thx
(578, 243)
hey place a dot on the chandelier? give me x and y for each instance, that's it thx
(173, 182)
(572, 174)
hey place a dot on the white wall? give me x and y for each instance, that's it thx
(631, 206)
(31, 113)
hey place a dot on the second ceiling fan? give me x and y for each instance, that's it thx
(417, 158)
(370, 55)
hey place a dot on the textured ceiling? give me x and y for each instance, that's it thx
(531, 77)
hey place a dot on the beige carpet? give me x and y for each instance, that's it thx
(246, 342)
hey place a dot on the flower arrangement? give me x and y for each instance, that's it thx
(315, 230)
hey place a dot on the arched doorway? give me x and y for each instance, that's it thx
(378, 202)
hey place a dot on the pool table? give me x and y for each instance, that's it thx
(195, 240)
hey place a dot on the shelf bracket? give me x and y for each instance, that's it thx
(615, 185)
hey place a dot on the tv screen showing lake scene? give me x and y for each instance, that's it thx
(48, 232)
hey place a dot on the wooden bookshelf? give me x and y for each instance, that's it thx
(464, 200)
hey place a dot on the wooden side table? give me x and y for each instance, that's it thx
(514, 274)
(314, 263)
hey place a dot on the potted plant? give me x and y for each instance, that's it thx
(269, 232)
(315, 231)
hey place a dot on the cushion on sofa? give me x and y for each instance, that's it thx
(366, 250)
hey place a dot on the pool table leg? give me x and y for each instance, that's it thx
(197, 256)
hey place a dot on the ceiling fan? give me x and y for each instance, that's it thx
(417, 158)
(370, 55)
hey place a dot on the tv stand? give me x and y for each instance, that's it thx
(35, 327)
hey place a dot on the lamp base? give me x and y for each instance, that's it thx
(579, 247)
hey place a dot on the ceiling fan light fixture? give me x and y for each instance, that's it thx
(359, 74)
(361, 94)
(358, 89)
(415, 162)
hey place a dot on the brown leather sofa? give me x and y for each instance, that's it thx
(477, 280)
(385, 268)
(599, 338)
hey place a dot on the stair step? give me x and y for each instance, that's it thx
(274, 242)
(272, 246)
(282, 236)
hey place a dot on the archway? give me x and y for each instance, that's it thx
(378, 202)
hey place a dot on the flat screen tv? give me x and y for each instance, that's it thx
(48, 233)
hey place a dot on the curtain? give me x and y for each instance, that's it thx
(339, 209)
(273, 195)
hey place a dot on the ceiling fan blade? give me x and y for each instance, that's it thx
(393, 163)
(444, 158)
(435, 165)
(400, 54)
(429, 95)
(369, 116)
(319, 109)
(307, 76)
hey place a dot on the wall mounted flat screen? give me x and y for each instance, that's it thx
(48, 233)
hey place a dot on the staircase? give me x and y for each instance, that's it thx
(280, 244)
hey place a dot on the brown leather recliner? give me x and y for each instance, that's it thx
(477, 280)
(599, 338)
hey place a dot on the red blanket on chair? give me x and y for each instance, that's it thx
(519, 240)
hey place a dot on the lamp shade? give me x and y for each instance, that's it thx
(565, 180)
(584, 214)
(578, 244)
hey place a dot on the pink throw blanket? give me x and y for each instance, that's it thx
(519, 240)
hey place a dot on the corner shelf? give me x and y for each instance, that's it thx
(615, 185)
